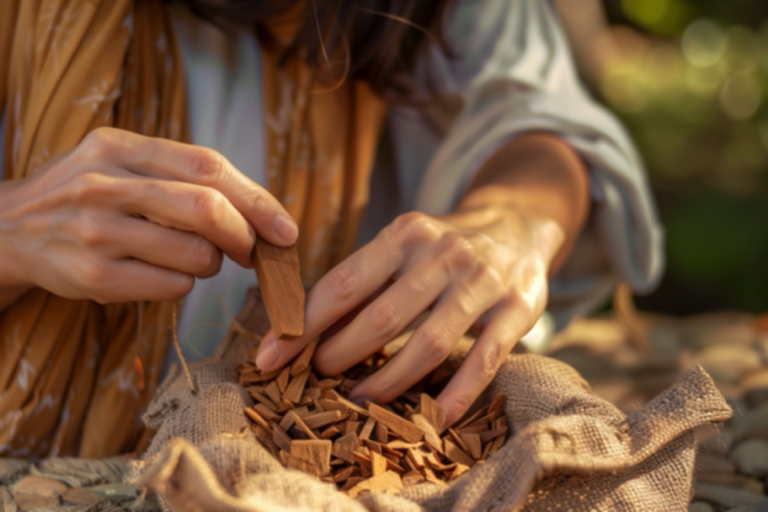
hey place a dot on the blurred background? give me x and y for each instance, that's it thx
(689, 79)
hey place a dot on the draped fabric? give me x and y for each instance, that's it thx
(69, 382)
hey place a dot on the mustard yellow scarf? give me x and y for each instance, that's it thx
(69, 383)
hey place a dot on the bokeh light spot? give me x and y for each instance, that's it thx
(703, 43)
(740, 97)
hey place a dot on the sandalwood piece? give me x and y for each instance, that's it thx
(329, 432)
(378, 464)
(492, 434)
(273, 392)
(266, 412)
(293, 462)
(430, 434)
(277, 269)
(345, 446)
(303, 426)
(342, 474)
(321, 419)
(367, 429)
(328, 383)
(456, 454)
(432, 411)
(472, 441)
(497, 403)
(282, 379)
(304, 358)
(314, 452)
(460, 470)
(389, 482)
(281, 438)
(295, 388)
(257, 418)
(381, 433)
(396, 424)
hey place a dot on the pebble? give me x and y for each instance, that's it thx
(700, 506)
(751, 457)
(725, 496)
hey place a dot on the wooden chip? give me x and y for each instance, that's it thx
(351, 482)
(315, 452)
(363, 459)
(345, 446)
(277, 269)
(378, 464)
(302, 361)
(287, 422)
(321, 419)
(328, 383)
(492, 434)
(432, 411)
(303, 426)
(474, 429)
(266, 412)
(296, 387)
(381, 433)
(472, 418)
(456, 454)
(367, 429)
(273, 392)
(311, 393)
(329, 432)
(265, 438)
(332, 405)
(395, 423)
(389, 482)
(257, 418)
(281, 437)
(458, 440)
(460, 470)
(264, 400)
(402, 445)
(293, 462)
(351, 427)
(342, 474)
(472, 441)
(282, 379)
(430, 434)
(356, 408)
(497, 403)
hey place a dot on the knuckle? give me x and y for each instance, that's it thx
(180, 287)
(93, 276)
(458, 251)
(90, 230)
(415, 227)
(85, 187)
(99, 142)
(436, 342)
(208, 204)
(202, 254)
(492, 281)
(207, 166)
(384, 318)
(488, 363)
(343, 282)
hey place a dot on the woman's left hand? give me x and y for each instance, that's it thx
(484, 267)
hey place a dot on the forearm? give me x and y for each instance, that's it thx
(12, 284)
(536, 178)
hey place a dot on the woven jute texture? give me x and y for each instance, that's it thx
(567, 449)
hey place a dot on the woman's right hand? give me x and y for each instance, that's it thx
(125, 217)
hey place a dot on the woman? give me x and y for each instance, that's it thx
(147, 146)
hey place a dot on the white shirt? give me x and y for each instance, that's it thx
(513, 74)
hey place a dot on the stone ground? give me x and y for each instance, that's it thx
(626, 362)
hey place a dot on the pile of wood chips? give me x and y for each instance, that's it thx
(309, 425)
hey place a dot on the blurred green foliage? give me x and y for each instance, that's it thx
(693, 95)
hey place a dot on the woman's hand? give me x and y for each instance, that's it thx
(484, 265)
(124, 217)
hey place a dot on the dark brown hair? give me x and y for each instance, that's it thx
(374, 40)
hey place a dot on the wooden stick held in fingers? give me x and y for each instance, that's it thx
(277, 269)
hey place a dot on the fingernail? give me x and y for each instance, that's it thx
(361, 401)
(268, 354)
(286, 229)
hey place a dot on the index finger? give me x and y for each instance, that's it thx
(163, 158)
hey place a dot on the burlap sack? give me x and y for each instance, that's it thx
(567, 449)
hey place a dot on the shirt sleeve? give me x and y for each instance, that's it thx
(511, 73)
